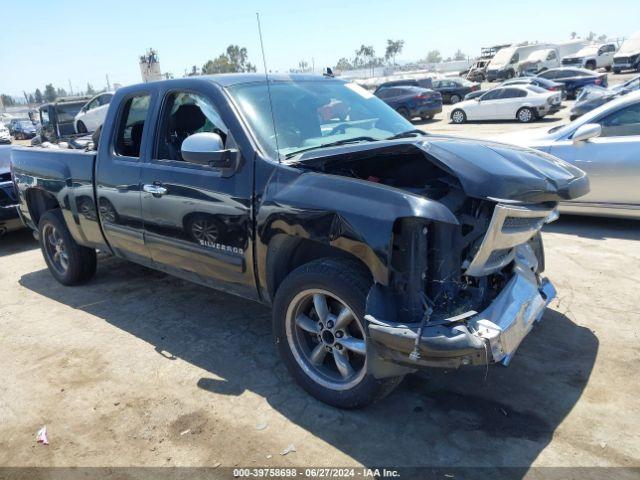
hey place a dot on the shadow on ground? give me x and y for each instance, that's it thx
(474, 417)
(17, 242)
(596, 228)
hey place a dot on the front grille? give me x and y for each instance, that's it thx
(510, 226)
(621, 60)
(572, 61)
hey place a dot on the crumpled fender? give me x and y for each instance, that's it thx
(353, 215)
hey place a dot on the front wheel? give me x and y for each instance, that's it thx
(525, 115)
(318, 322)
(68, 262)
(404, 112)
(458, 116)
(81, 127)
(455, 98)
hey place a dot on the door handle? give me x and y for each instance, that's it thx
(154, 189)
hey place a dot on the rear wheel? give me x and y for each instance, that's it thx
(591, 65)
(404, 112)
(318, 321)
(81, 127)
(68, 262)
(458, 116)
(455, 98)
(525, 115)
(608, 68)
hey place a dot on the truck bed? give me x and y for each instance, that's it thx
(66, 176)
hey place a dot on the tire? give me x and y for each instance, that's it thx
(404, 112)
(81, 127)
(68, 262)
(590, 66)
(454, 99)
(525, 115)
(608, 68)
(311, 348)
(204, 229)
(510, 74)
(616, 71)
(458, 116)
(427, 118)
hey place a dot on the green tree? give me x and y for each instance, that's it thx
(591, 37)
(573, 35)
(233, 60)
(365, 56)
(38, 96)
(303, 66)
(394, 48)
(7, 100)
(61, 92)
(602, 38)
(90, 90)
(343, 64)
(31, 99)
(50, 93)
(434, 56)
(459, 55)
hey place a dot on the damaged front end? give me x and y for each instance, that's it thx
(462, 292)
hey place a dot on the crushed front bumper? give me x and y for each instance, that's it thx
(473, 338)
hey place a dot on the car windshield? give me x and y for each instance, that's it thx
(630, 46)
(26, 124)
(311, 114)
(590, 50)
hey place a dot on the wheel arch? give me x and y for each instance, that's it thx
(39, 202)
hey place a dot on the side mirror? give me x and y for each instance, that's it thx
(587, 131)
(206, 148)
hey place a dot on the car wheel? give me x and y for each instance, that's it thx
(608, 68)
(203, 229)
(526, 115)
(81, 128)
(404, 112)
(510, 74)
(107, 211)
(454, 99)
(458, 116)
(68, 262)
(318, 322)
(427, 118)
(591, 65)
(616, 71)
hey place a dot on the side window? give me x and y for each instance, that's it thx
(186, 113)
(515, 58)
(624, 122)
(105, 99)
(552, 55)
(492, 95)
(93, 104)
(512, 93)
(131, 125)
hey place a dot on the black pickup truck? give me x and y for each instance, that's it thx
(381, 249)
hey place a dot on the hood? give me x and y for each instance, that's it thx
(485, 169)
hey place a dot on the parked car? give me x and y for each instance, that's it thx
(22, 129)
(592, 57)
(411, 102)
(92, 114)
(57, 119)
(505, 64)
(593, 97)
(382, 250)
(514, 102)
(539, 61)
(539, 82)
(605, 143)
(406, 82)
(5, 136)
(574, 79)
(478, 71)
(453, 90)
(628, 56)
(9, 218)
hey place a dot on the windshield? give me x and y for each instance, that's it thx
(538, 55)
(590, 50)
(630, 46)
(313, 113)
(26, 124)
(502, 57)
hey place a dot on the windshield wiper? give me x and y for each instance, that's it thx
(332, 144)
(408, 133)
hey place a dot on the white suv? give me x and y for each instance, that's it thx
(592, 57)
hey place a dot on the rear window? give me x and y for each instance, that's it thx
(131, 125)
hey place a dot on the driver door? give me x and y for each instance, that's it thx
(197, 221)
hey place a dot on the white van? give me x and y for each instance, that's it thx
(506, 63)
(628, 57)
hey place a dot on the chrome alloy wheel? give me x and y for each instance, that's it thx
(326, 339)
(205, 230)
(525, 115)
(55, 249)
(458, 116)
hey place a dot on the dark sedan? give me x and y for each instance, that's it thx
(454, 89)
(539, 82)
(406, 82)
(22, 129)
(574, 79)
(411, 102)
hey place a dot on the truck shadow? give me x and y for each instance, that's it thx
(474, 417)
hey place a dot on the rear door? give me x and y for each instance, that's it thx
(118, 177)
(197, 219)
(612, 161)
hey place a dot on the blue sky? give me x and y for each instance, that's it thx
(56, 40)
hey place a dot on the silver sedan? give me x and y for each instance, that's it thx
(605, 143)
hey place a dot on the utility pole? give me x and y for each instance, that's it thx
(70, 87)
(108, 84)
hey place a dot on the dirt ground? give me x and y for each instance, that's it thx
(139, 368)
